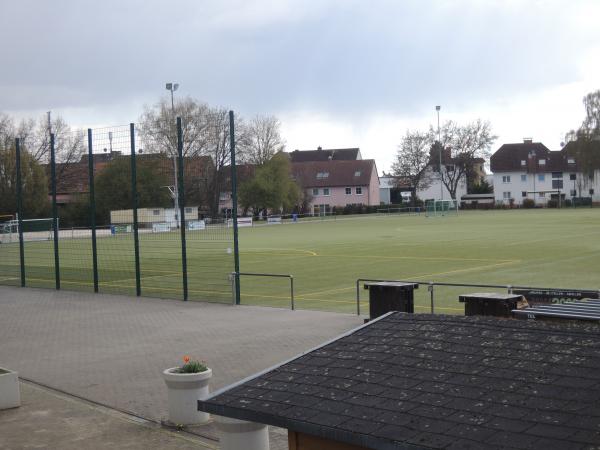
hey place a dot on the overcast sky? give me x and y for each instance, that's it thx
(337, 73)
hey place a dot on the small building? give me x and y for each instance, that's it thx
(394, 190)
(420, 381)
(148, 216)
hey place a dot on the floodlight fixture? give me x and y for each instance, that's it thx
(169, 86)
(175, 86)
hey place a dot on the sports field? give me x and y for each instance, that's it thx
(545, 248)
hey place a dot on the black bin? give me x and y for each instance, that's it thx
(491, 304)
(386, 296)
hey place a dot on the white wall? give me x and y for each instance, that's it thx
(516, 186)
(433, 191)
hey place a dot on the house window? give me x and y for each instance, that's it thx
(348, 191)
(591, 192)
(188, 210)
(224, 196)
(573, 177)
(523, 163)
(506, 178)
(315, 191)
(541, 177)
(359, 191)
(557, 174)
(321, 175)
(506, 195)
(357, 173)
(573, 193)
(156, 212)
(571, 161)
(541, 194)
(325, 191)
(523, 178)
(523, 194)
(557, 184)
(542, 162)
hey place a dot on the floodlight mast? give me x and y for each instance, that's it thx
(172, 87)
(437, 108)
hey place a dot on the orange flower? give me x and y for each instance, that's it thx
(186, 359)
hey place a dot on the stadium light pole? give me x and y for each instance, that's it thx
(437, 108)
(172, 87)
(532, 155)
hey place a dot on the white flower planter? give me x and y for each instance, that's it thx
(10, 396)
(185, 389)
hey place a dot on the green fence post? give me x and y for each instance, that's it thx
(20, 209)
(182, 209)
(54, 212)
(236, 249)
(134, 197)
(92, 209)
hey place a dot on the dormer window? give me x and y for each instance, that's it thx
(357, 173)
(321, 175)
(523, 163)
(542, 162)
(571, 160)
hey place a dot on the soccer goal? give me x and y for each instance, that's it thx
(435, 208)
(33, 230)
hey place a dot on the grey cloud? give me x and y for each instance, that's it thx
(345, 58)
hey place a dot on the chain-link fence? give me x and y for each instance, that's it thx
(132, 210)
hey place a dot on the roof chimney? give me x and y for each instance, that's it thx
(319, 148)
(527, 140)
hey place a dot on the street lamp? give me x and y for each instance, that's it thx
(172, 87)
(437, 108)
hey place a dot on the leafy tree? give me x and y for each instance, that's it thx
(34, 184)
(483, 187)
(413, 160)
(272, 187)
(585, 141)
(113, 186)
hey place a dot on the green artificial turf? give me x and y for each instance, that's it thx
(540, 248)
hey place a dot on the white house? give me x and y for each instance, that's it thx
(529, 170)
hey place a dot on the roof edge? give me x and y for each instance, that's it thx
(293, 358)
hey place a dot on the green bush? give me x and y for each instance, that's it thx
(528, 203)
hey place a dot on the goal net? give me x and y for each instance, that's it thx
(440, 207)
(33, 230)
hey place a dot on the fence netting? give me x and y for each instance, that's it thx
(140, 210)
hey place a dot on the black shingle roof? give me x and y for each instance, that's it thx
(424, 381)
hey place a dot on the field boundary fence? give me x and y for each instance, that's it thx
(557, 295)
(127, 210)
(274, 275)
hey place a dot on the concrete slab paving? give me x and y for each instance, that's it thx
(47, 420)
(112, 349)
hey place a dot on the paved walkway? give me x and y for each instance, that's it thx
(112, 349)
(48, 420)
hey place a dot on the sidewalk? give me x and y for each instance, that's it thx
(113, 349)
(50, 420)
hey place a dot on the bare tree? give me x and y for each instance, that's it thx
(158, 126)
(262, 139)
(462, 145)
(413, 160)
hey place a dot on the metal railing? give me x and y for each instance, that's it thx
(272, 275)
(430, 288)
